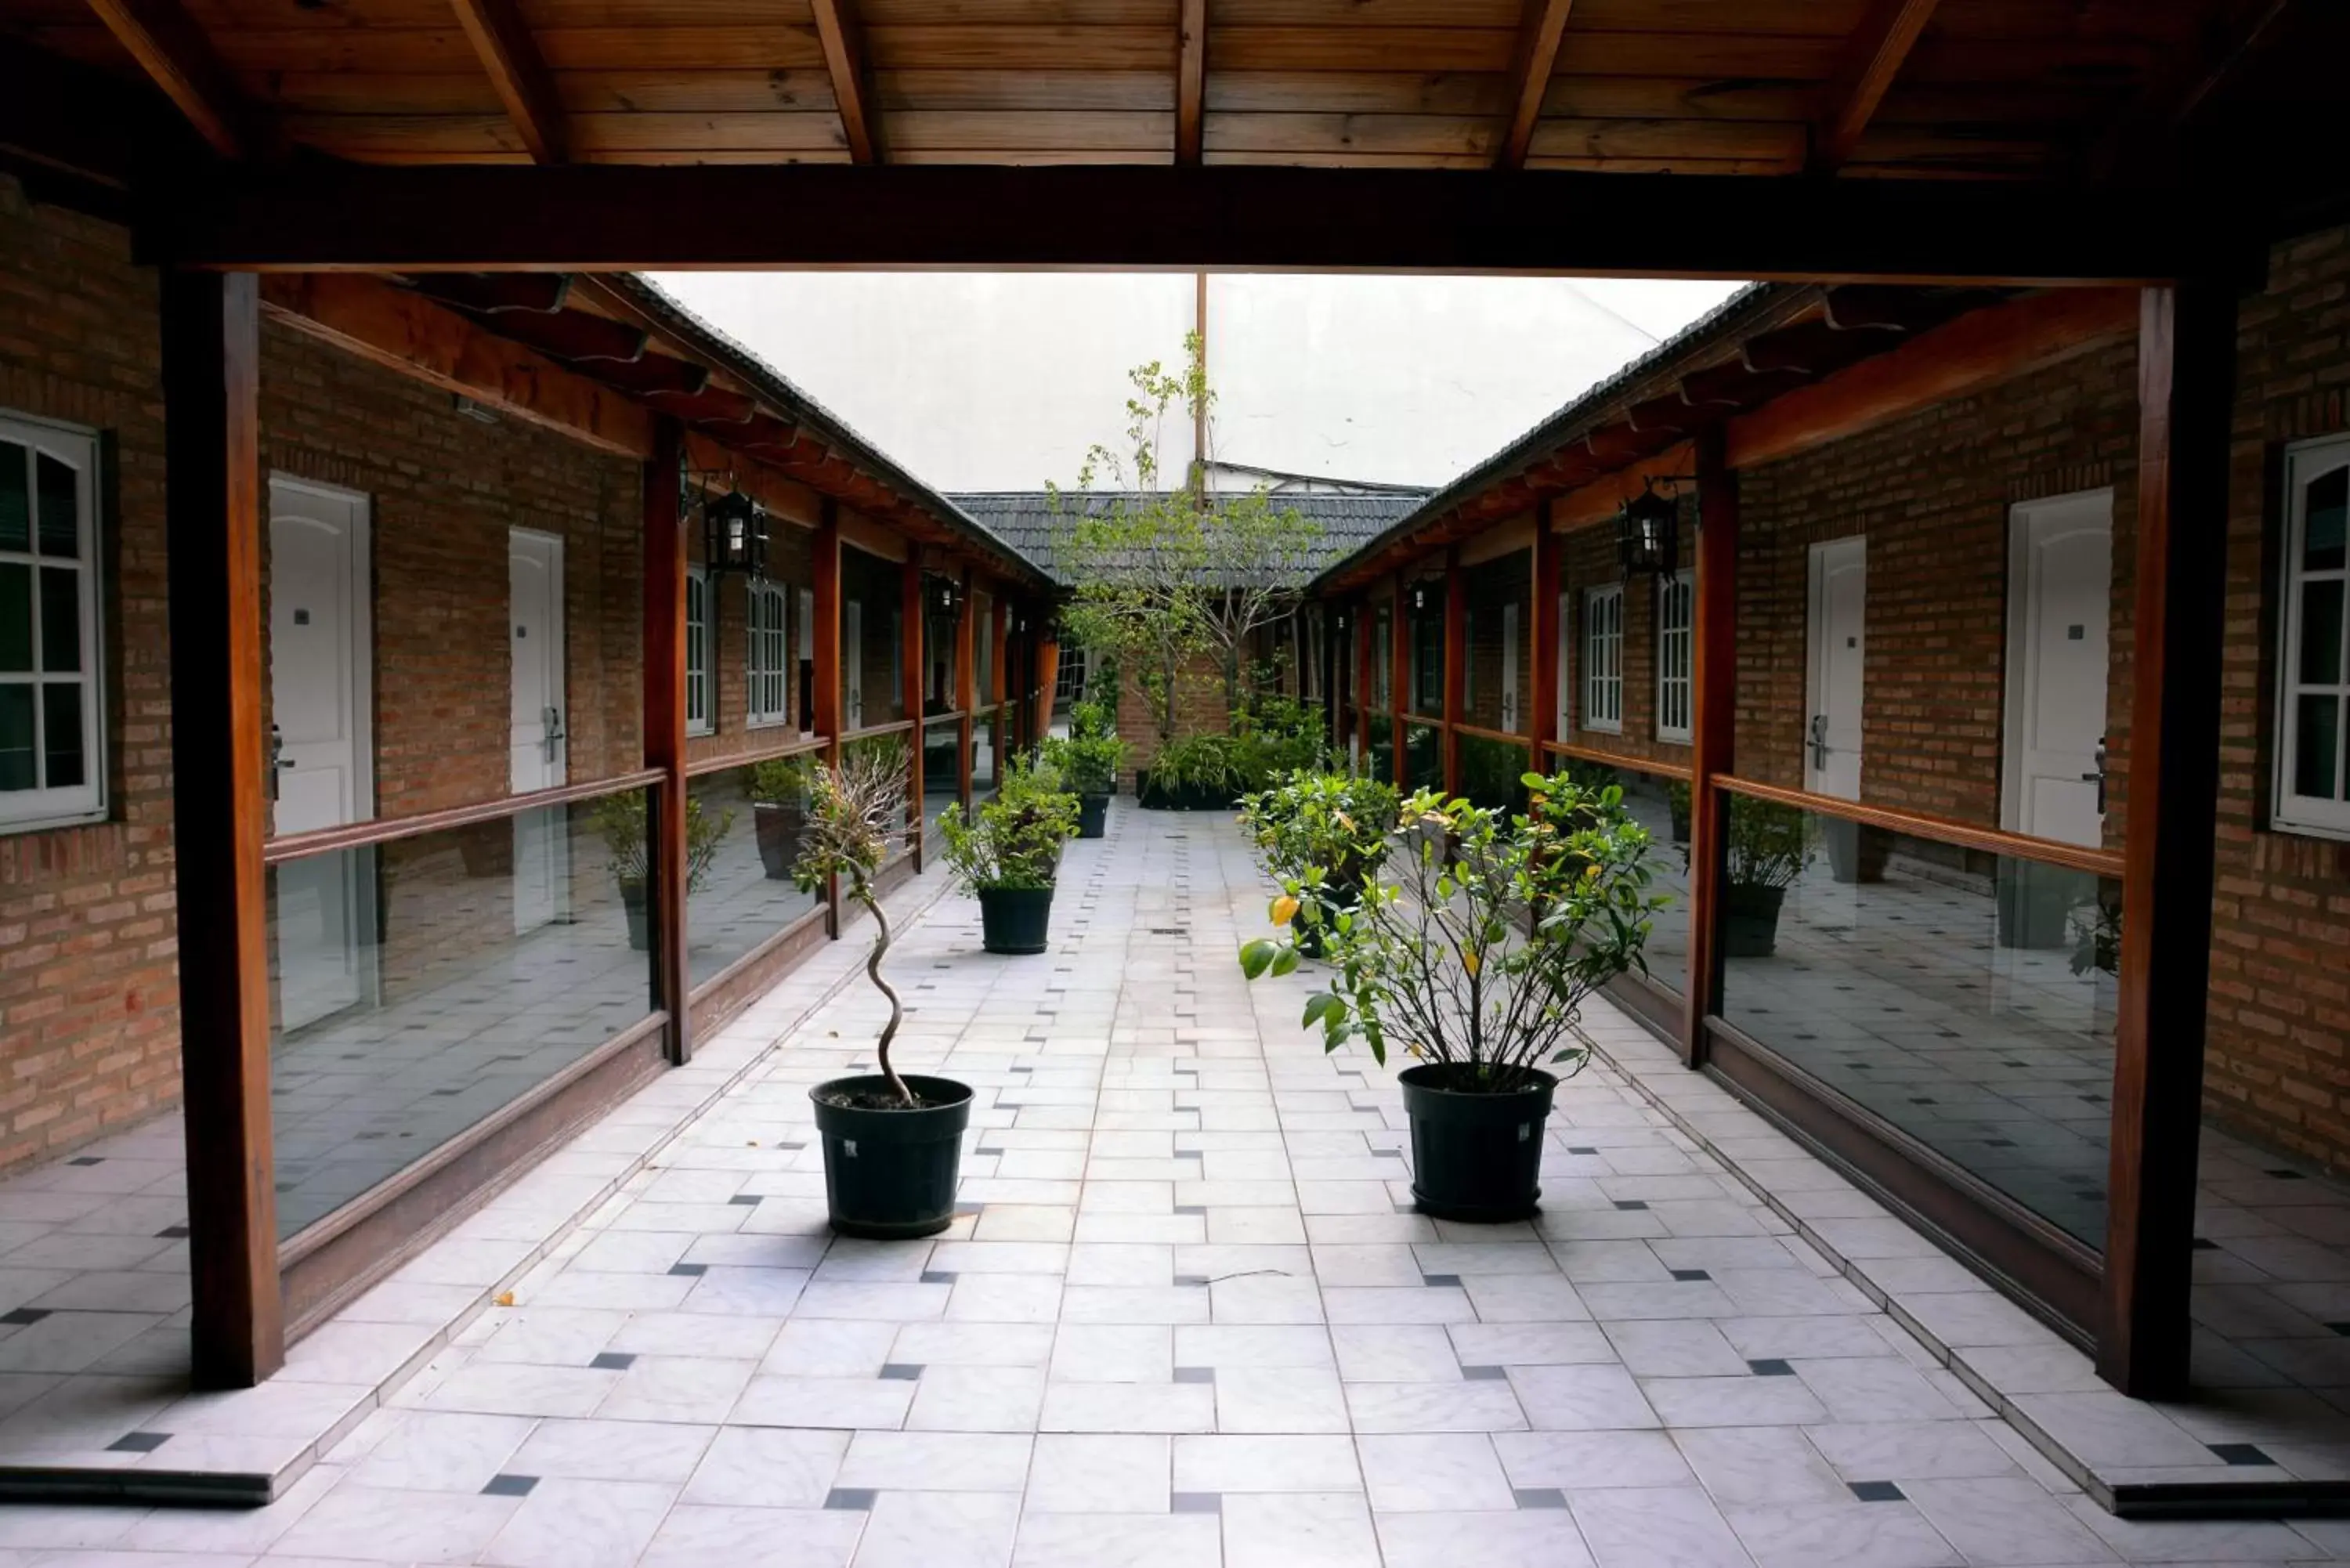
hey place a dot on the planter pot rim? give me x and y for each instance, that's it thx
(1423, 1079)
(947, 1094)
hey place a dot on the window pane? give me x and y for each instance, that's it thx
(16, 617)
(16, 506)
(17, 738)
(61, 516)
(2322, 523)
(60, 619)
(61, 734)
(2317, 745)
(2321, 633)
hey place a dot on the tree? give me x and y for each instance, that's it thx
(1164, 574)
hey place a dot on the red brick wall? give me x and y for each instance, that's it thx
(1589, 559)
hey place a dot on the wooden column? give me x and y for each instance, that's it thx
(1048, 675)
(211, 324)
(1456, 666)
(2185, 384)
(909, 692)
(1544, 687)
(664, 710)
(1713, 731)
(826, 551)
(1398, 674)
(966, 680)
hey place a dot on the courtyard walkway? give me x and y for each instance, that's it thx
(1187, 1319)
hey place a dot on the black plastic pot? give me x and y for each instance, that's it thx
(1092, 815)
(777, 825)
(2035, 904)
(1749, 919)
(1856, 852)
(890, 1174)
(1153, 796)
(1015, 919)
(1475, 1157)
(641, 924)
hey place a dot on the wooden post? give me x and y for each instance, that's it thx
(966, 681)
(1713, 732)
(2186, 383)
(211, 327)
(909, 692)
(664, 708)
(826, 550)
(1456, 666)
(1543, 688)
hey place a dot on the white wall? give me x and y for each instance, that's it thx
(1001, 381)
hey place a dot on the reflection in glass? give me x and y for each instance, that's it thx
(1966, 998)
(941, 780)
(1423, 757)
(1492, 773)
(421, 985)
(1379, 749)
(753, 818)
(1662, 805)
(985, 728)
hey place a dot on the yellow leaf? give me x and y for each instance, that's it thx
(506, 1298)
(1590, 871)
(1285, 908)
(1469, 962)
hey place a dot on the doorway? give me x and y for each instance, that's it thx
(321, 686)
(1835, 658)
(2059, 599)
(1510, 667)
(538, 752)
(852, 658)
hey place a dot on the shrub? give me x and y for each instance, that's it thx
(1015, 839)
(1770, 843)
(621, 818)
(1088, 764)
(1339, 822)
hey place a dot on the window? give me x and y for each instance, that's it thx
(1676, 614)
(808, 660)
(697, 652)
(2313, 793)
(770, 644)
(1603, 658)
(51, 729)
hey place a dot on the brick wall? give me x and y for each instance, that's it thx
(1589, 558)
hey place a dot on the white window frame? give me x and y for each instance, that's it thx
(1603, 659)
(698, 718)
(1676, 656)
(75, 447)
(2289, 810)
(767, 668)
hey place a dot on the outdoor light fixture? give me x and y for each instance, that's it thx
(1646, 534)
(946, 595)
(733, 526)
(1418, 598)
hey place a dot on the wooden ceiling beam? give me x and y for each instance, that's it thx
(176, 56)
(1872, 59)
(1190, 79)
(842, 36)
(518, 72)
(1539, 33)
(2147, 135)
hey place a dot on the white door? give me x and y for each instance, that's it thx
(852, 663)
(1510, 667)
(538, 757)
(1838, 652)
(321, 648)
(2060, 591)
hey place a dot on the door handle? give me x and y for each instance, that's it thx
(551, 722)
(274, 761)
(1819, 742)
(2099, 777)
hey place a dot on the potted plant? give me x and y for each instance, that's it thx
(1770, 844)
(1089, 758)
(1339, 822)
(621, 818)
(1447, 961)
(1677, 801)
(1008, 852)
(779, 812)
(1198, 773)
(892, 1141)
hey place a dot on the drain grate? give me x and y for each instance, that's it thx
(1166, 931)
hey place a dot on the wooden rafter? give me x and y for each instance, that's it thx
(843, 40)
(1872, 57)
(173, 51)
(1191, 81)
(518, 71)
(2147, 134)
(1530, 72)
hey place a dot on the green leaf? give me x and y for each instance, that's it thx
(1256, 957)
(1284, 959)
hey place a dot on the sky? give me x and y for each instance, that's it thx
(980, 381)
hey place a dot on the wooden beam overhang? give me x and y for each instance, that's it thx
(1872, 59)
(616, 218)
(2146, 139)
(1191, 81)
(177, 57)
(1539, 34)
(842, 38)
(518, 72)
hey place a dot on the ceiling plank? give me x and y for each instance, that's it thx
(518, 71)
(2147, 136)
(1190, 79)
(1872, 59)
(173, 51)
(843, 38)
(1530, 72)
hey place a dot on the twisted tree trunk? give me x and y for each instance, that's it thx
(862, 891)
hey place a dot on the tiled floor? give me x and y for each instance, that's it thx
(1188, 1318)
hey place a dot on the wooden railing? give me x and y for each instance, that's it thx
(387, 829)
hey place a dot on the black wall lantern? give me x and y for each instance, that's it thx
(733, 526)
(1418, 598)
(946, 596)
(1647, 537)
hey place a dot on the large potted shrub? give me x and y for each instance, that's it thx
(1478, 969)
(892, 1141)
(1198, 773)
(1770, 844)
(779, 788)
(1008, 852)
(1089, 758)
(620, 819)
(1340, 823)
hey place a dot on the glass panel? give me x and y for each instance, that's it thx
(15, 504)
(15, 616)
(1379, 749)
(747, 823)
(1423, 758)
(1427, 631)
(984, 729)
(60, 619)
(1966, 998)
(1500, 628)
(419, 986)
(2328, 498)
(61, 741)
(871, 671)
(2321, 632)
(942, 778)
(1662, 807)
(17, 770)
(60, 512)
(2317, 746)
(1491, 772)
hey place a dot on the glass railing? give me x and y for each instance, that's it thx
(743, 826)
(986, 731)
(1661, 803)
(1964, 995)
(1493, 771)
(1423, 756)
(942, 779)
(420, 983)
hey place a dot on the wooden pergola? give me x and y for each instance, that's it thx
(1975, 144)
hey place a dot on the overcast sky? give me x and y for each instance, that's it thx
(1001, 381)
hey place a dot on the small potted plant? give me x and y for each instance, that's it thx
(621, 818)
(1770, 844)
(779, 789)
(892, 1141)
(1089, 758)
(1008, 852)
(1445, 961)
(1339, 822)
